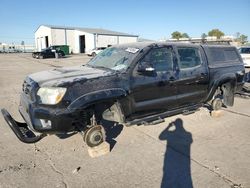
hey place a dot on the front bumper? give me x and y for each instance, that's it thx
(21, 129)
(61, 119)
(33, 130)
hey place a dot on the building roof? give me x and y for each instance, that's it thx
(90, 30)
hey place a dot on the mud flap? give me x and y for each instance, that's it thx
(228, 94)
(21, 130)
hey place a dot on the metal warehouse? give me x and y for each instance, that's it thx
(79, 40)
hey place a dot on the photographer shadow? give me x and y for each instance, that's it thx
(113, 130)
(176, 169)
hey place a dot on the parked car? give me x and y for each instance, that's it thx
(95, 51)
(48, 53)
(245, 54)
(131, 84)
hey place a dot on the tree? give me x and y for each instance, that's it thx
(184, 35)
(176, 35)
(237, 35)
(204, 35)
(243, 39)
(216, 32)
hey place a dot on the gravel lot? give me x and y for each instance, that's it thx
(201, 151)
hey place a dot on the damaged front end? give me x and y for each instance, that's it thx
(24, 131)
(21, 130)
(40, 119)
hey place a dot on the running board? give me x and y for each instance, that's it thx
(159, 118)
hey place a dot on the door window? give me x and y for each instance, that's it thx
(189, 57)
(161, 59)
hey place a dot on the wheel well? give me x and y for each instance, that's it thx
(227, 89)
(110, 110)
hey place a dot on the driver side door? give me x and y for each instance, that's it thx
(153, 81)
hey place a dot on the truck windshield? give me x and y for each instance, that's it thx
(114, 58)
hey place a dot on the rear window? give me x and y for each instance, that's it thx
(231, 55)
(223, 55)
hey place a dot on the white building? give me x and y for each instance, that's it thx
(80, 40)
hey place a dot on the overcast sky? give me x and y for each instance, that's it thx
(152, 19)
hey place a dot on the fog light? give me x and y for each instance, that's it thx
(45, 123)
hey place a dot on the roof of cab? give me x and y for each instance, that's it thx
(141, 45)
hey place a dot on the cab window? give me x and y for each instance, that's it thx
(161, 59)
(189, 57)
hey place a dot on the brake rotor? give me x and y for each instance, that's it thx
(217, 104)
(94, 136)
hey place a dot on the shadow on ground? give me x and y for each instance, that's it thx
(113, 130)
(176, 169)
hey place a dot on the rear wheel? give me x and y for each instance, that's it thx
(93, 54)
(40, 56)
(61, 54)
(217, 101)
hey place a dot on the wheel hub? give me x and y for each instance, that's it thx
(94, 136)
(217, 104)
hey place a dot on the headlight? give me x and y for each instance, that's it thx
(51, 95)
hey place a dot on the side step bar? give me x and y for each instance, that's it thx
(159, 118)
(21, 130)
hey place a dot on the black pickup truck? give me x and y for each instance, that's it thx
(137, 83)
(48, 53)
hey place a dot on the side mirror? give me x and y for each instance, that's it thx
(145, 68)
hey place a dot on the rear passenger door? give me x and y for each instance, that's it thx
(193, 77)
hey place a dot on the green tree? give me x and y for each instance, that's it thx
(216, 32)
(243, 39)
(184, 35)
(176, 35)
(237, 35)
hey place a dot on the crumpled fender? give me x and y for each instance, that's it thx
(96, 96)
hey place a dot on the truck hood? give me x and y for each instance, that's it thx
(67, 75)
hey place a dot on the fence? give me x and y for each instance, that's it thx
(16, 48)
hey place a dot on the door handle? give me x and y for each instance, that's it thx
(171, 79)
(203, 75)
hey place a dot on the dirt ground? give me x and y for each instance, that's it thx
(184, 151)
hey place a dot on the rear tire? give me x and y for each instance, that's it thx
(40, 57)
(61, 54)
(93, 54)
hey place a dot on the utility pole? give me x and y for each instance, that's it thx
(23, 44)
